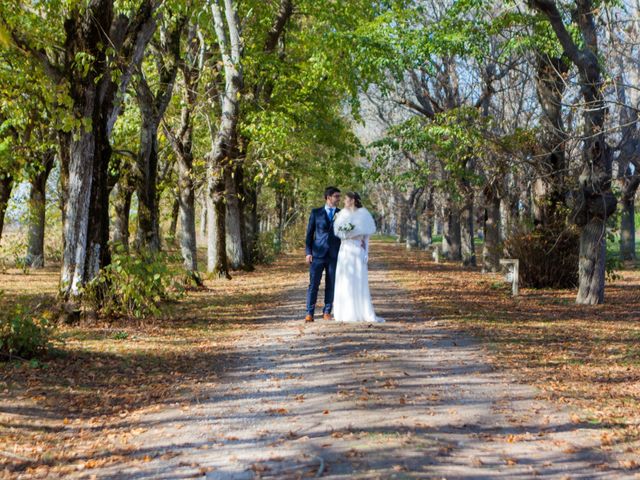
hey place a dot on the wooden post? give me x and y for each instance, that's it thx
(437, 253)
(513, 273)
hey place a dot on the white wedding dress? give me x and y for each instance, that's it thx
(352, 299)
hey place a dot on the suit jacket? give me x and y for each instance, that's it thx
(321, 242)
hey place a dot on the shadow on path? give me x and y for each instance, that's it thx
(404, 399)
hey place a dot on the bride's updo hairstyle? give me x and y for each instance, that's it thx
(355, 196)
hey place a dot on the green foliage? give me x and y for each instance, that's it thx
(23, 334)
(134, 286)
(294, 236)
(613, 263)
(120, 335)
(266, 248)
(13, 254)
(455, 137)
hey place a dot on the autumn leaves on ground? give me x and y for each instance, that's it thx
(70, 411)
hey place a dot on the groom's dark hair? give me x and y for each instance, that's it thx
(330, 191)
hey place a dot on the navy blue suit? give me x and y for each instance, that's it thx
(323, 245)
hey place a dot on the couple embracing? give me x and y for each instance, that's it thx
(337, 244)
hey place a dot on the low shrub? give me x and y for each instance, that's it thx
(23, 334)
(266, 248)
(294, 235)
(548, 255)
(134, 285)
(12, 253)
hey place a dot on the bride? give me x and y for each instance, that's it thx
(353, 224)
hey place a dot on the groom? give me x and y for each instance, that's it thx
(322, 252)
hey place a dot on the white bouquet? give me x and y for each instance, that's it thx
(346, 227)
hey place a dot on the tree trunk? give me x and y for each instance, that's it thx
(173, 225)
(468, 249)
(152, 107)
(281, 208)
(122, 193)
(6, 185)
(86, 217)
(491, 248)
(628, 182)
(95, 101)
(415, 207)
(148, 235)
(451, 234)
(628, 171)
(234, 220)
(186, 197)
(429, 231)
(203, 218)
(216, 226)
(412, 239)
(37, 212)
(225, 138)
(64, 151)
(508, 216)
(252, 221)
(595, 199)
(401, 213)
(182, 144)
(86, 227)
(548, 188)
(427, 221)
(425, 230)
(628, 229)
(591, 267)
(596, 202)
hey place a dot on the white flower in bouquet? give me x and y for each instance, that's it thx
(347, 227)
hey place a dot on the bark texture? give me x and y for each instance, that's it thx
(153, 105)
(491, 248)
(549, 186)
(6, 185)
(467, 245)
(122, 193)
(89, 28)
(224, 141)
(182, 143)
(451, 234)
(595, 201)
(628, 216)
(37, 212)
(234, 218)
(628, 173)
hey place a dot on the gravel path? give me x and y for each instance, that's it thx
(403, 399)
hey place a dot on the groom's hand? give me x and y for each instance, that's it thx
(309, 258)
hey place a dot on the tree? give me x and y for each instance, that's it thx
(595, 202)
(29, 139)
(94, 44)
(190, 65)
(224, 137)
(549, 187)
(37, 209)
(153, 105)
